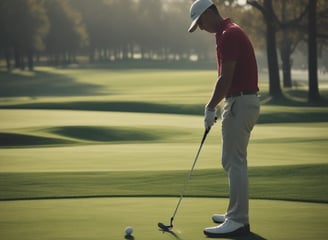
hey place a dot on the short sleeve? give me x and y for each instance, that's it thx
(230, 45)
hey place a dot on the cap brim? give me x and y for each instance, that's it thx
(193, 25)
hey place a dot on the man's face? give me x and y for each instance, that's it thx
(206, 21)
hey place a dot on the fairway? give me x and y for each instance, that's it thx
(106, 219)
(86, 152)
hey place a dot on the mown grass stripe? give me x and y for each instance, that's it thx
(303, 115)
(296, 183)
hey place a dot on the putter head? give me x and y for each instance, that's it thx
(164, 228)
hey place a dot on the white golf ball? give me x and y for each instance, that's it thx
(128, 230)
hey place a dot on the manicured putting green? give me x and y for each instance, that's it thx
(106, 218)
(164, 141)
(294, 182)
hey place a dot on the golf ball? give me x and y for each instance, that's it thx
(128, 230)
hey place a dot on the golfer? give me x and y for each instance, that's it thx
(237, 85)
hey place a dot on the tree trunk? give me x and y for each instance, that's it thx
(285, 53)
(30, 61)
(274, 79)
(7, 56)
(17, 56)
(313, 94)
(125, 51)
(93, 55)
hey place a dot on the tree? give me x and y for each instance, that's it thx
(67, 32)
(322, 33)
(292, 14)
(271, 22)
(124, 20)
(312, 48)
(24, 25)
(98, 19)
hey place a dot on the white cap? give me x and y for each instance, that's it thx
(197, 9)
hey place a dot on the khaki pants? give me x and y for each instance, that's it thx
(238, 119)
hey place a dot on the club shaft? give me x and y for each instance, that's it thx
(189, 175)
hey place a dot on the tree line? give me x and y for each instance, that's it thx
(102, 29)
(297, 22)
(111, 30)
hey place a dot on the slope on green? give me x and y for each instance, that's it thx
(298, 183)
(102, 219)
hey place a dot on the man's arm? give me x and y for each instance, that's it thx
(222, 84)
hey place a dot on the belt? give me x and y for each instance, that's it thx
(238, 94)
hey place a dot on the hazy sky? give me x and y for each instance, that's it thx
(242, 2)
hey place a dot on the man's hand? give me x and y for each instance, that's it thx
(210, 117)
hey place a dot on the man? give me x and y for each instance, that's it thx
(237, 84)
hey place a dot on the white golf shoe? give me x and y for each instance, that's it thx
(218, 218)
(229, 228)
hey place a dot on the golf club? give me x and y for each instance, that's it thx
(167, 228)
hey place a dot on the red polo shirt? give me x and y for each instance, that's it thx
(232, 44)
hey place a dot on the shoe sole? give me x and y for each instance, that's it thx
(217, 221)
(243, 231)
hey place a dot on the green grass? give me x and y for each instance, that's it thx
(142, 91)
(152, 86)
(268, 114)
(92, 141)
(91, 151)
(298, 183)
(106, 219)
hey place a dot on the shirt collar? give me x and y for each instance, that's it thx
(223, 25)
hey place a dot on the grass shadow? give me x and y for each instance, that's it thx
(40, 83)
(129, 237)
(251, 236)
(172, 234)
(68, 135)
(103, 134)
(77, 134)
(25, 140)
(316, 115)
(295, 98)
(296, 117)
(120, 106)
